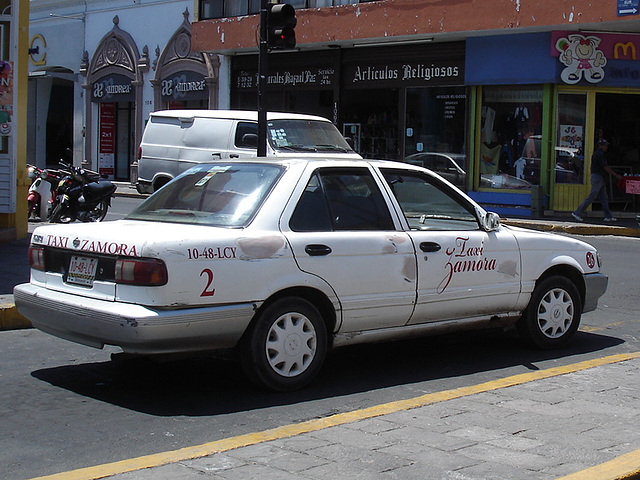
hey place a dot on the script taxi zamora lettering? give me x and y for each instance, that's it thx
(465, 258)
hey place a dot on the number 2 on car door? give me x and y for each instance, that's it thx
(208, 289)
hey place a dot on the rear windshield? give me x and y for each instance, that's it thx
(222, 195)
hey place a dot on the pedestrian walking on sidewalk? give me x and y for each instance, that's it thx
(598, 189)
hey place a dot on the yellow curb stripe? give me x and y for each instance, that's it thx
(218, 446)
(624, 466)
(10, 319)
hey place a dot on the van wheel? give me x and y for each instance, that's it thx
(159, 183)
(553, 314)
(285, 347)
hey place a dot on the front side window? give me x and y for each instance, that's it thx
(221, 195)
(246, 135)
(341, 200)
(429, 205)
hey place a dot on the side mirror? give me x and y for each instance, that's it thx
(490, 222)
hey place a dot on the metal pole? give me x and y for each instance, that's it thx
(262, 81)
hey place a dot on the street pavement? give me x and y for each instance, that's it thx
(575, 422)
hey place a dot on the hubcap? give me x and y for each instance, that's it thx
(291, 344)
(555, 313)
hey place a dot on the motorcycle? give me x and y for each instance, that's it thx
(43, 186)
(81, 195)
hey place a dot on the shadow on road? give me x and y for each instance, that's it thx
(207, 386)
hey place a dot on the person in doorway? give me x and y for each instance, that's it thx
(598, 189)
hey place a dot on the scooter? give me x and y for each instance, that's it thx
(42, 192)
(81, 195)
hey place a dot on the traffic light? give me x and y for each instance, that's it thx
(281, 20)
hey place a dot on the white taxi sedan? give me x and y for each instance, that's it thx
(281, 260)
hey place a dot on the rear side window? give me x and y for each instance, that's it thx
(339, 200)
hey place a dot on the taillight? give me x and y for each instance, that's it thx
(141, 271)
(36, 258)
(139, 153)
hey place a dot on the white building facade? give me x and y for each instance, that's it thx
(98, 68)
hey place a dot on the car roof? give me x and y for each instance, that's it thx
(320, 162)
(249, 115)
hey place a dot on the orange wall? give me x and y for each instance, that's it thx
(391, 18)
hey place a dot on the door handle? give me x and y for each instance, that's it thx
(317, 250)
(234, 155)
(430, 246)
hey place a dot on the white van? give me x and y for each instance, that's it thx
(175, 140)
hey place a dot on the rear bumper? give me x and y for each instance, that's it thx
(134, 328)
(595, 286)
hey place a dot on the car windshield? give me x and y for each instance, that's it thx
(221, 195)
(306, 136)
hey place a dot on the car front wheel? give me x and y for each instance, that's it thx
(285, 347)
(553, 314)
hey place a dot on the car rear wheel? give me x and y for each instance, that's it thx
(286, 345)
(553, 314)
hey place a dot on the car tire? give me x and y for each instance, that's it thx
(553, 314)
(285, 346)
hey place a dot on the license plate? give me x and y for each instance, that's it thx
(82, 270)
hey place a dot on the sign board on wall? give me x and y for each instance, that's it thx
(113, 88)
(627, 7)
(590, 58)
(294, 77)
(409, 74)
(185, 85)
(107, 142)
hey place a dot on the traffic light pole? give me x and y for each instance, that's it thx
(262, 80)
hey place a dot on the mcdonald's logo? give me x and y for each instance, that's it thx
(625, 48)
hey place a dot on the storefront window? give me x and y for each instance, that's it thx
(511, 137)
(569, 151)
(372, 126)
(435, 131)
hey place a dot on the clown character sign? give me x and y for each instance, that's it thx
(582, 58)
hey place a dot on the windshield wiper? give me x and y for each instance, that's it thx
(298, 148)
(332, 147)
